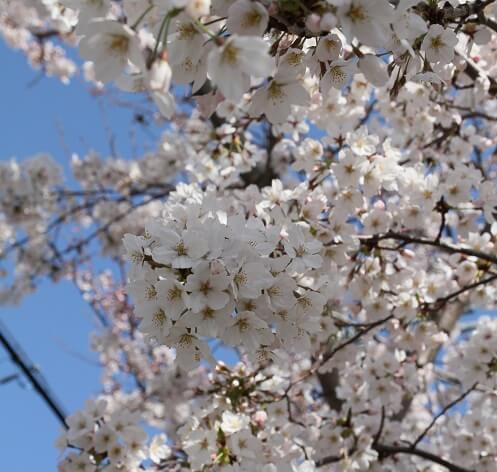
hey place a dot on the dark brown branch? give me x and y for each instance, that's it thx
(38, 383)
(407, 239)
(444, 410)
(386, 450)
(354, 338)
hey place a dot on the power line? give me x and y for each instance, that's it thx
(20, 358)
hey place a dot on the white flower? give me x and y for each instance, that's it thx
(362, 143)
(291, 65)
(409, 26)
(158, 449)
(171, 294)
(374, 69)
(250, 279)
(208, 321)
(244, 444)
(186, 43)
(190, 350)
(276, 99)
(110, 45)
(439, 44)
(377, 221)
(156, 322)
(247, 18)
(349, 169)
(200, 445)
(105, 438)
(80, 423)
(159, 81)
(337, 76)
(234, 422)
(248, 330)
(367, 20)
(134, 248)
(231, 65)
(280, 294)
(302, 248)
(207, 288)
(466, 271)
(329, 48)
(181, 251)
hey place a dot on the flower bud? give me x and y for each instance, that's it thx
(328, 22)
(312, 23)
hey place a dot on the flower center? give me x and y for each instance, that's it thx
(159, 318)
(180, 249)
(294, 58)
(251, 18)
(275, 91)
(337, 74)
(119, 43)
(230, 54)
(186, 31)
(436, 42)
(357, 13)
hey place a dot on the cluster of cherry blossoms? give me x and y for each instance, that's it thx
(207, 264)
(265, 58)
(270, 58)
(109, 437)
(34, 27)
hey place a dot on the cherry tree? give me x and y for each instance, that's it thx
(322, 202)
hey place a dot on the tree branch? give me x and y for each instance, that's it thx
(36, 380)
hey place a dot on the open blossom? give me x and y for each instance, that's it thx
(233, 64)
(200, 445)
(439, 44)
(362, 143)
(276, 99)
(111, 46)
(291, 65)
(374, 69)
(205, 288)
(156, 322)
(329, 48)
(248, 330)
(190, 350)
(250, 279)
(180, 251)
(368, 20)
(338, 75)
(247, 18)
(302, 249)
(159, 450)
(377, 221)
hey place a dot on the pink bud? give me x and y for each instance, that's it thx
(312, 23)
(328, 22)
(259, 418)
(379, 205)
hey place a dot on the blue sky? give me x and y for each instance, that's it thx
(53, 324)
